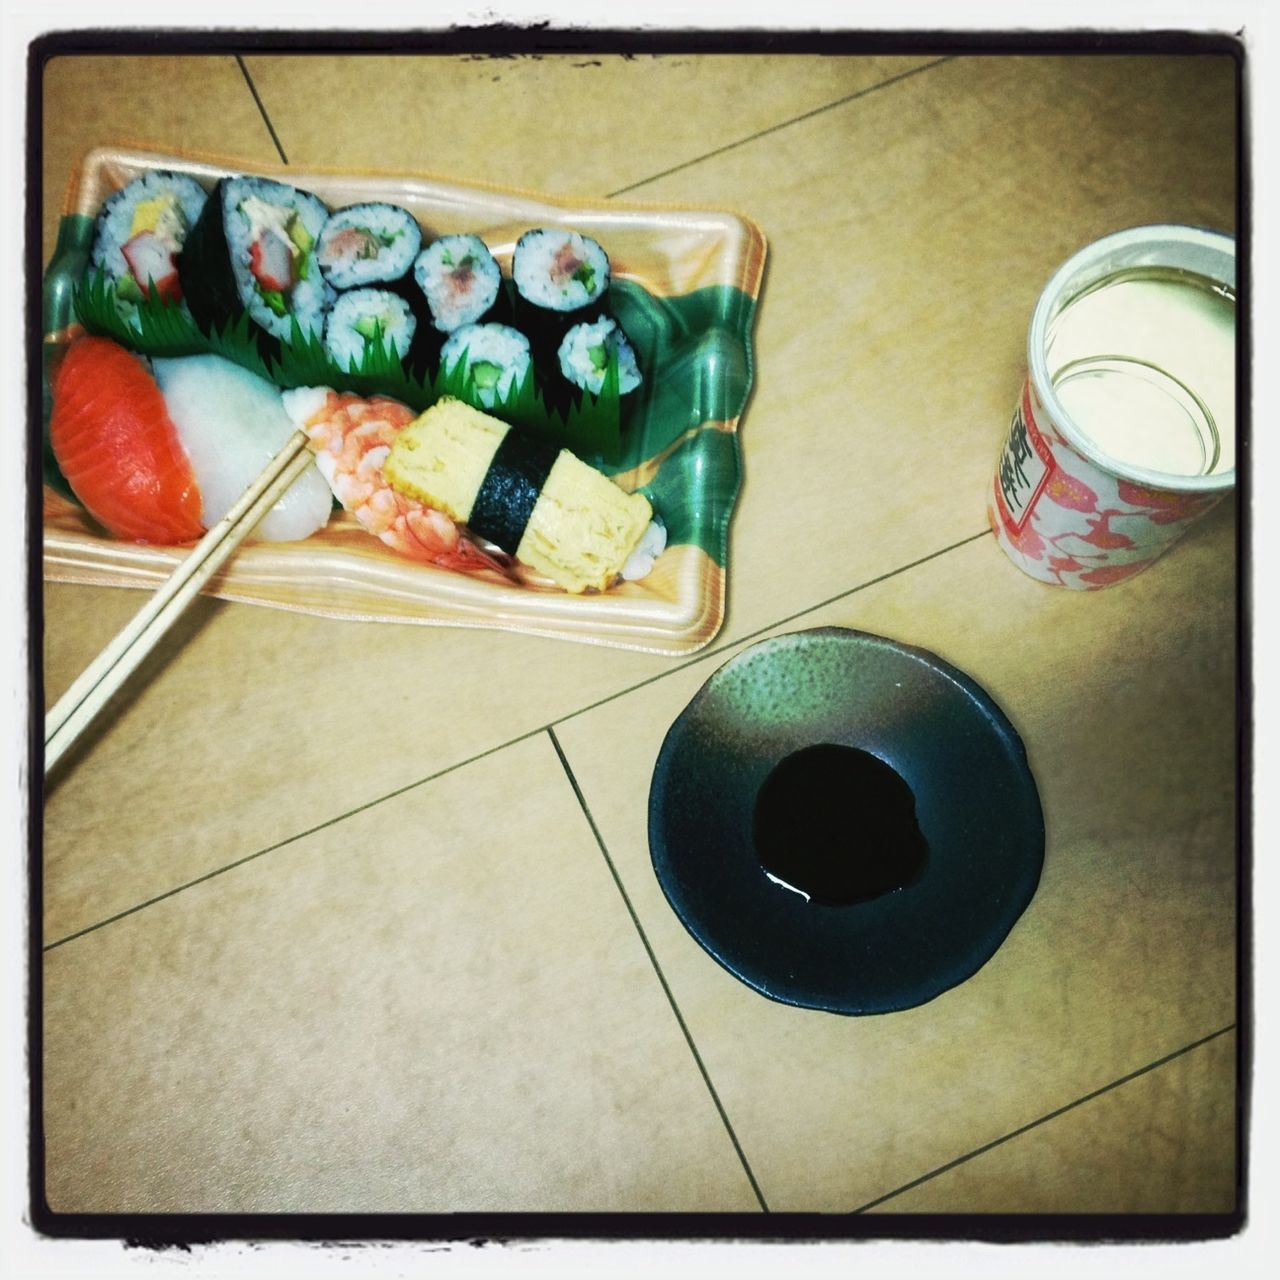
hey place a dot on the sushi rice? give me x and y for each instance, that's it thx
(497, 355)
(367, 317)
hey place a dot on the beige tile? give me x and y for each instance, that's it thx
(250, 725)
(910, 234)
(1123, 699)
(581, 125)
(1161, 1143)
(166, 103)
(430, 1007)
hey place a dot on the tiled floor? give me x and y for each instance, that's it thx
(347, 917)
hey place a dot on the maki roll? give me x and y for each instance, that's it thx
(460, 280)
(585, 355)
(494, 359)
(364, 319)
(140, 234)
(254, 250)
(561, 279)
(533, 500)
(368, 244)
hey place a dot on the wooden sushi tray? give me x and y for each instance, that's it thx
(691, 278)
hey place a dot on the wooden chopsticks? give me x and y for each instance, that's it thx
(112, 667)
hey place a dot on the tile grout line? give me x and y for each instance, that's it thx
(785, 124)
(1052, 1115)
(653, 960)
(511, 742)
(262, 111)
(299, 835)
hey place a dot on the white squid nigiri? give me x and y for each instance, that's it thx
(231, 424)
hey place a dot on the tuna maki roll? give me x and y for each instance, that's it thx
(140, 234)
(368, 244)
(561, 279)
(254, 250)
(460, 280)
(368, 319)
(585, 354)
(496, 358)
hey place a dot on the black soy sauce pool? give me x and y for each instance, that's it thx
(838, 825)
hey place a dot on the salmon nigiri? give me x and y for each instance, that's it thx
(118, 447)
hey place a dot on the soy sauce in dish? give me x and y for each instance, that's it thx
(838, 826)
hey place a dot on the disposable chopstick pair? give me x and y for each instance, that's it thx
(76, 709)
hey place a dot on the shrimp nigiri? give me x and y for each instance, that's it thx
(351, 438)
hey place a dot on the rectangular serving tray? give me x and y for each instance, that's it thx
(687, 281)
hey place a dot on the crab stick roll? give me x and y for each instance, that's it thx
(536, 502)
(368, 244)
(141, 231)
(364, 320)
(496, 357)
(460, 281)
(561, 278)
(254, 250)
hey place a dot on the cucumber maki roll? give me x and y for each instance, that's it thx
(140, 234)
(368, 244)
(364, 319)
(496, 358)
(254, 250)
(561, 279)
(585, 354)
(535, 501)
(460, 280)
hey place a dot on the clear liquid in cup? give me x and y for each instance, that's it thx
(1144, 365)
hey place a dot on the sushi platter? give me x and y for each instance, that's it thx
(546, 393)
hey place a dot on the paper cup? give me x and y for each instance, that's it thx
(1113, 453)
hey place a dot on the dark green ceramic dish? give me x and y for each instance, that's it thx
(975, 800)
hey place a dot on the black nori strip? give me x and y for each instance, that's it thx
(204, 268)
(207, 278)
(510, 489)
